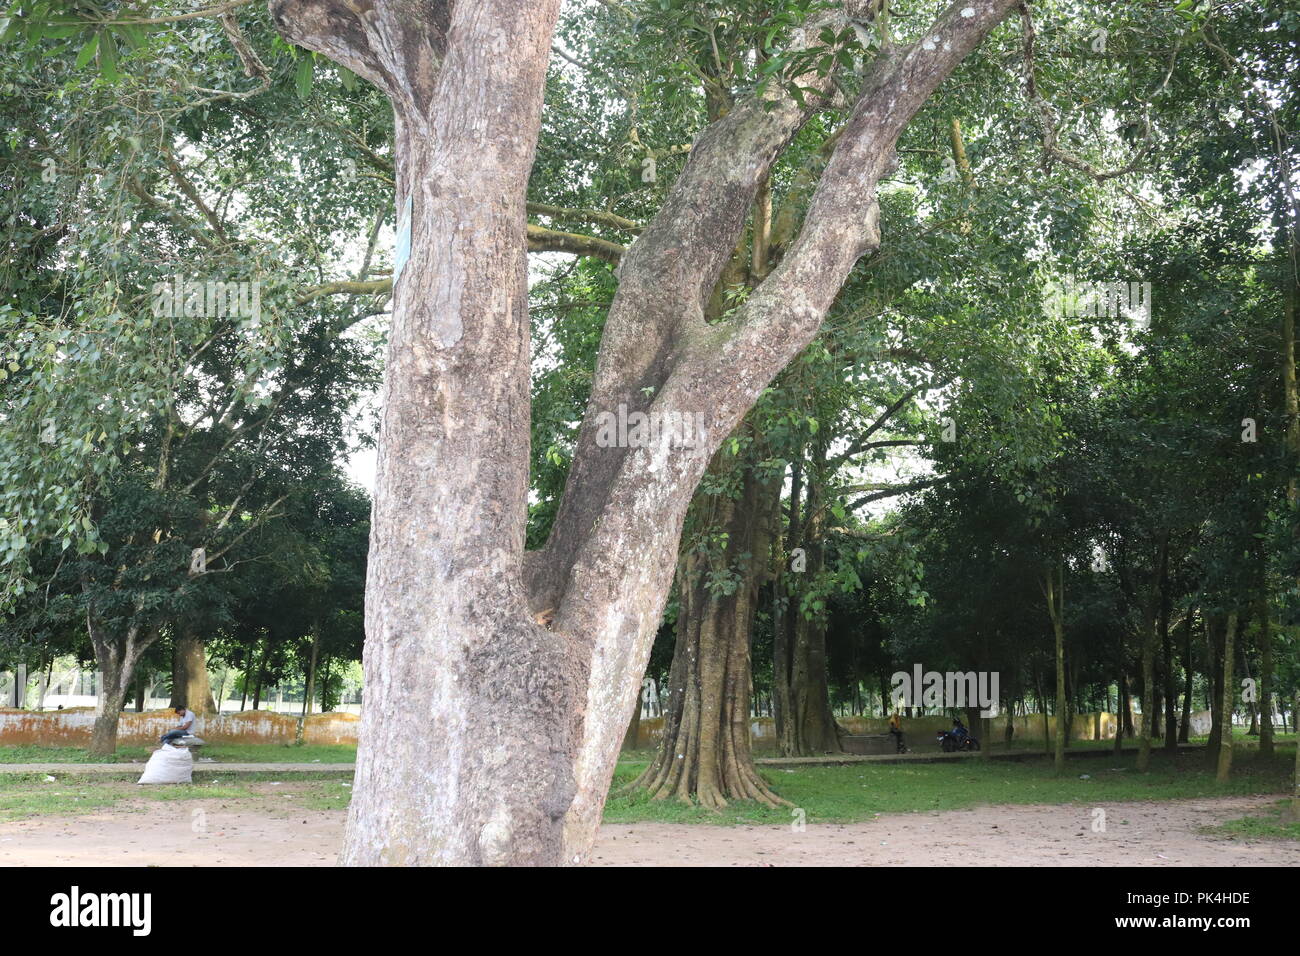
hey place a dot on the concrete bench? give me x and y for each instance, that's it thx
(867, 744)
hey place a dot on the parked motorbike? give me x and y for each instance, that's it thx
(951, 743)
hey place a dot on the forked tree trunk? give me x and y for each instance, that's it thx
(115, 658)
(529, 664)
(705, 754)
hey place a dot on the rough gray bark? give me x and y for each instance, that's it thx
(530, 665)
(116, 655)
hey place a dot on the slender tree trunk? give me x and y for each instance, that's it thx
(47, 673)
(1214, 689)
(309, 692)
(1053, 588)
(1265, 676)
(1170, 687)
(1185, 728)
(783, 622)
(1295, 779)
(260, 675)
(634, 728)
(1121, 710)
(809, 727)
(1226, 702)
(1149, 638)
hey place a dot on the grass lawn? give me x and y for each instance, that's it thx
(830, 794)
(24, 796)
(221, 753)
(1275, 824)
(859, 792)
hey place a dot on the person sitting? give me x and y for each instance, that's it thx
(186, 718)
(959, 730)
(896, 728)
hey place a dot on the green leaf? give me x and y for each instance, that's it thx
(133, 36)
(87, 52)
(108, 57)
(303, 80)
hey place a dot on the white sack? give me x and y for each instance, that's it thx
(168, 765)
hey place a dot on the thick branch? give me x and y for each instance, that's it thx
(375, 41)
(550, 240)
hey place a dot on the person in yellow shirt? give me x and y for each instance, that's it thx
(896, 728)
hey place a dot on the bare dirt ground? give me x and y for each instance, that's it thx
(225, 834)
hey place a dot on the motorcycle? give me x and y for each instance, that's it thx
(951, 743)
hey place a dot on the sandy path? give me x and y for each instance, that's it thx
(1155, 834)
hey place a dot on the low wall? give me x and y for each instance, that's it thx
(1097, 726)
(71, 728)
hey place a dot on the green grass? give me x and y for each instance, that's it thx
(124, 754)
(828, 794)
(325, 794)
(221, 753)
(24, 796)
(1275, 824)
(843, 794)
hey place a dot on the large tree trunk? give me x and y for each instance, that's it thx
(116, 656)
(190, 685)
(705, 753)
(530, 665)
